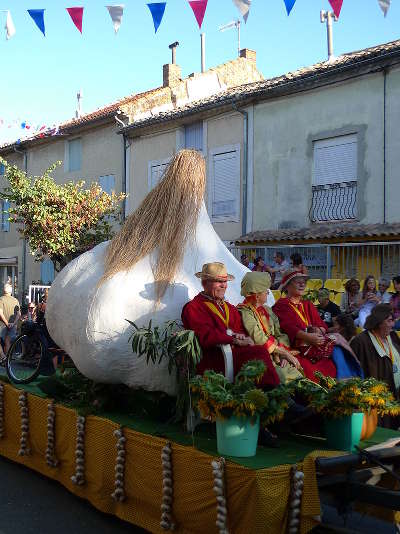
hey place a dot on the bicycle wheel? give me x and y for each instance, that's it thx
(23, 359)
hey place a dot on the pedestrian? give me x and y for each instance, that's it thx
(9, 314)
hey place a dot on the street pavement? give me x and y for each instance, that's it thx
(33, 504)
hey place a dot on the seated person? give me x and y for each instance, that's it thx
(262, 325)
(326, 308)
(343, 324)
(216, 322)
(299, 319)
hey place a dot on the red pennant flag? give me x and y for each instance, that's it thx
(336, 6)
(199, 8)
(76, 14)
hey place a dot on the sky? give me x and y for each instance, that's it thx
(40, 76)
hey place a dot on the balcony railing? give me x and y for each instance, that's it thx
(334, 202)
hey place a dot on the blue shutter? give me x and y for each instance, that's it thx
(194, 136)
(47, 271)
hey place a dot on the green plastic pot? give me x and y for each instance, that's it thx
(344, 433)
(237, 436)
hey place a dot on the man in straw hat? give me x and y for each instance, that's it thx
(216, 322)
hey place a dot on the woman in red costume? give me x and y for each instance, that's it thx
(330, 355)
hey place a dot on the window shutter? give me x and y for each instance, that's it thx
(107, 183)
(2, 169)
(47, 271)
(194, 136)
(225, 186)
(5, 223)
(335, 160)
(157, 171)
(74, 155)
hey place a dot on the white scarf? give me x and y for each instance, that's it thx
(383, 353)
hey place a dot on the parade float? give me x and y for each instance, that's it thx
(147, 471)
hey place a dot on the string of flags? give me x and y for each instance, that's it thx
(157, 10)
(28, 129)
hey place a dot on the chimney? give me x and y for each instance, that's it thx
(172, 72)
(246, 53)
(171, 75)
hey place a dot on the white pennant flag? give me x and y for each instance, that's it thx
(384, 5)
(9, 27)
(244, 7)
(116, 13)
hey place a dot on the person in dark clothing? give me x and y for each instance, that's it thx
(326, 308)
(378, 350)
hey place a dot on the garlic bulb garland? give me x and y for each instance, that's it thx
(51, 459)
(168, 489)
(79, 477)
(23, 404)
(1, 411)
(296, 493)
(119, 493)
(218, 467)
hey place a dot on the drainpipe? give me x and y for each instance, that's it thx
(245, 164)
(124, 184)
(384, 145)
(23, 266)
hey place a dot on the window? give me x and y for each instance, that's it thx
(194, 136)
(224, 190)
(2, 169)
(107, 183)
(74, 155)
(5, 223)
(334, 180)
(156, 170)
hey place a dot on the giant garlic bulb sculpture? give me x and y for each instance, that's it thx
(146, 272)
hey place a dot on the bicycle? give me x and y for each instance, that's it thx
(29, 355)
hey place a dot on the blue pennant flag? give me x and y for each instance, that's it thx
(289, 5)
(157, 12)
(38, 17)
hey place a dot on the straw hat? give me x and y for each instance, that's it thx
(289, 276)
(214, 271)
(255, 282)
(377, 316)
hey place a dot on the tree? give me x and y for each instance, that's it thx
(60, 221)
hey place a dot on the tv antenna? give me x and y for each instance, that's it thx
(232, 24)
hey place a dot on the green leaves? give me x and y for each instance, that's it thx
(58, 220)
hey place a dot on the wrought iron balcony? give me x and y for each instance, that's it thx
(334, 202)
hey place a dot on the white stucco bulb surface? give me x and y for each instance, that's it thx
(88, 320)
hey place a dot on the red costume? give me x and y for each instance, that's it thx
(210, 322)
(294, 318)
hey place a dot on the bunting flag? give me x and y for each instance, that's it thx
(116, 13)
(199, 8)
(76, 14)
(157, 12)
(384, 5)
(38, 17)
(9, 27)
(289, 5)
(336, 6)
(244, 7)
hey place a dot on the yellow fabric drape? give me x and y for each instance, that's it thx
(257, 499)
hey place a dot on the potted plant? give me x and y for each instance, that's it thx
(238, 407)
(344, 405)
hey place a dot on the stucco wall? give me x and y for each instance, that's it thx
(284, 131)
(392, 145)
(217, 132)
(144, 149)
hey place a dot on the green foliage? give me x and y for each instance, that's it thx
(58, 220)
(334, 399)
(217, 398)
(88, 397)
(169, 342)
